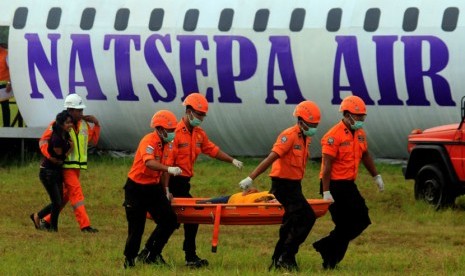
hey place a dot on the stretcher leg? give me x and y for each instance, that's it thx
(216, 228)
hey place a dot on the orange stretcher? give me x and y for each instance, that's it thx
(188, 211)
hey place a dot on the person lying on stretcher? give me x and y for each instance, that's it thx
(251, 195)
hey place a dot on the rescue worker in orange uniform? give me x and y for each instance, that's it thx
(85, 129)
(5, 85)
(191, 140)
(288, 159)
(343, 147)
(146, 190)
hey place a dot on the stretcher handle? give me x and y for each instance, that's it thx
(216, 227)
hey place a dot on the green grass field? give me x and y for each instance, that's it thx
(406, 237)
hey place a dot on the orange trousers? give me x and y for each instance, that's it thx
(72, 192)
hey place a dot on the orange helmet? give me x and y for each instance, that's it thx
(197, 101)
(308, 111)
(164, 118)
(354, 105)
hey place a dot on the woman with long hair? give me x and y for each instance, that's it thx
(50, 174)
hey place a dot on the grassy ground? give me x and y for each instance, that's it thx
(406, 237)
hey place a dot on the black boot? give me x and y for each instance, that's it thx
(329, 262)
(148, 257)
(287, 262)
(129, 263)
(193, 261)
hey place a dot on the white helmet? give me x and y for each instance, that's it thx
(74, 101)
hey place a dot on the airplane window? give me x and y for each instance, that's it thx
(226, 19)
(87, 18)
(53, 19)
(190, 20)
(372, 19)
(121, 20)
(333, 22)
(450, 18)
(261, 20)
(20, 18)
(297, 20)
(410, 19)
(156, 19)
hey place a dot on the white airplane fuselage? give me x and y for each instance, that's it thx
(253, 60)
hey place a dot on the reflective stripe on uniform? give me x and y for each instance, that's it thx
(78, 204)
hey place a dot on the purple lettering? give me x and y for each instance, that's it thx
(281, 52)
(123, 64)
(385, 70)
(414, 74)
(347, 48)
(81, 48)
(36, 57)
(224, 65)
(188, 64)
(159, 68)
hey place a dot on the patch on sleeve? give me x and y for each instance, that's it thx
(283, 139)
(330, 140)
(149, 149)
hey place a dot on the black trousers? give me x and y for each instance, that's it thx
(350, 216)
(52, 179)
(180, 187)
(298, 217)
(140, 199)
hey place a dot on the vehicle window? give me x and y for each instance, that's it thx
(121, 19)
(410, 19)
(449, 19)
(87, 18)
(372, 20)
(20, 18)
(190, 20)
(333, 22)
(261, 20)
(297, 20)
(226, 19)
(156, 19)
(53, 19)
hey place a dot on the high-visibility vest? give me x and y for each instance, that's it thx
(77, 159)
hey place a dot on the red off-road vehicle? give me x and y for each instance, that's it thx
(437, 162)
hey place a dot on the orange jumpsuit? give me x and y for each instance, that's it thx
(349, 211)
(144, 193)
(72, 190)
(286, 175)
(188, 145)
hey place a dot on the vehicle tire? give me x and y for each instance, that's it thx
(431, 186)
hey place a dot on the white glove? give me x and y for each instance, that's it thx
(379, 182)
(246, 183)
(174, 170)
(168, 194)
(327, 196)
(237, 163)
